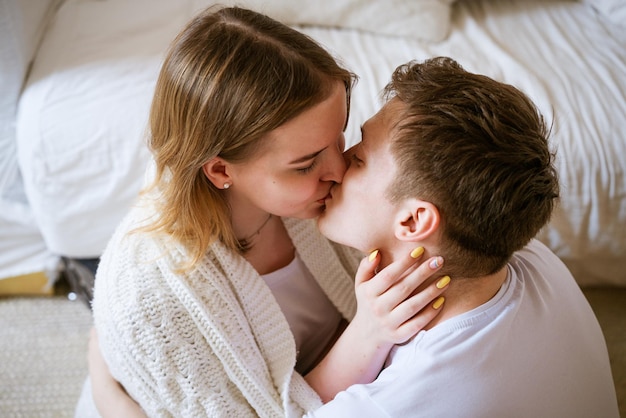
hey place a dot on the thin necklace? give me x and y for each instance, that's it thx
(246, 243)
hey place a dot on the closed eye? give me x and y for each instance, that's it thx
(356, 160)
(307, 169)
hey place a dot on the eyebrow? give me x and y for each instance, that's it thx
(307, 157)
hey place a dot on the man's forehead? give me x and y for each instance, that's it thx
(384, 121)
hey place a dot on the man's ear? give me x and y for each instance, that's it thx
(417, 220)
(216, 171)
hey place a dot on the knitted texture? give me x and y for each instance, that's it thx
(212, 341)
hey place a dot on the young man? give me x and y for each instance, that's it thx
(460, 164)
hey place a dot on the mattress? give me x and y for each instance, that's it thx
(81, 119)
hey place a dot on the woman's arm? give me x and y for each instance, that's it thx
(109, 396)
(389, 312)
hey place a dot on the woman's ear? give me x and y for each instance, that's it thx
(417, 220)
(216, 171)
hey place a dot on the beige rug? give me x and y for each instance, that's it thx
(43, 345)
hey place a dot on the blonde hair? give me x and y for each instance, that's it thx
(231, 76)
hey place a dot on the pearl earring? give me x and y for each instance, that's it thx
(226, 185)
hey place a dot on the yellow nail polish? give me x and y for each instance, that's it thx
(437, 304)
(417, 252)
(372, 255)
(443, 282)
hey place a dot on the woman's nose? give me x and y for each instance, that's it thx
(337, 168)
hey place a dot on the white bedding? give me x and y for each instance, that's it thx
(82, 116)
(22, 249)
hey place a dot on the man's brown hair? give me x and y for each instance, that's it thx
(478, 150)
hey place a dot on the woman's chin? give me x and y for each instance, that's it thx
(310, 213)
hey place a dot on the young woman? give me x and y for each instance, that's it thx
(217, 296)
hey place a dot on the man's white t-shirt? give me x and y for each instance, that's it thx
(534, 350)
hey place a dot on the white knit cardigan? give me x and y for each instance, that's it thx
(212, 342)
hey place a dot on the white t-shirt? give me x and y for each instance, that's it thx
(534, 350)
(312, 317)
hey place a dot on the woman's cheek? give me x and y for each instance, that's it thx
(302, 191)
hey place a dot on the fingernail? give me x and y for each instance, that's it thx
(435, 263)
(417, 252)
(437, 304)
(372, 255)
(443, 282)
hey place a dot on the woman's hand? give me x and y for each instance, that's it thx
(109, 396)
(391, 310)
(392, 306)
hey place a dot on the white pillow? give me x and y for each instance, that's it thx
(428, 20)
(614, 10)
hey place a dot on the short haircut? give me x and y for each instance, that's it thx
(478, 150)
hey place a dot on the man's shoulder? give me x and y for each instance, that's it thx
(537, 255)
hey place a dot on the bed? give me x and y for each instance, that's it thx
(78, 75)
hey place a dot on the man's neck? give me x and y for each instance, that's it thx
(463, 293)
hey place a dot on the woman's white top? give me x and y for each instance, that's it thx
(312, 317)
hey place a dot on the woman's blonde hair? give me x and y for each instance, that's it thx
(231, 76)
